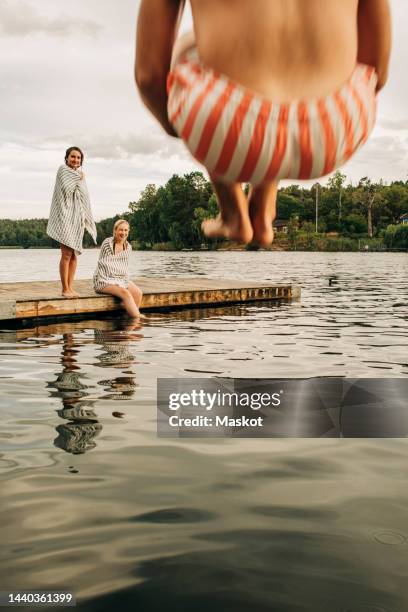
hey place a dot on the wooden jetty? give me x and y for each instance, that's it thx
(21, 301)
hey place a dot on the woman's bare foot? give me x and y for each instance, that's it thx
(75, 294)
(122, 303)
(262, 212)
(67, 294)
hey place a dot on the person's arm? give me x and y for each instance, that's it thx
(157, 27)
(374, 36)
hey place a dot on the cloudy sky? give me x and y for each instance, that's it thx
(66, 77)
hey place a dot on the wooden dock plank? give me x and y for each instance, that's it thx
(7, 309)
(43, 298)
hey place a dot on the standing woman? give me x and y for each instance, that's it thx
(112, 272)
(70, 216)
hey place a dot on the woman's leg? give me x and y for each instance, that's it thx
(262, 211)
(136, 293)
(126, 297)
(233, 222)
(71, 273)
(66, 254)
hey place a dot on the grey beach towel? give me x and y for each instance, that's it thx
(70, 213)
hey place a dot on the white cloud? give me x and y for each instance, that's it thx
(22, 19)
(111, 146)
(393, 124)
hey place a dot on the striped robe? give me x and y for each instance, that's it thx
(112, 269)
(239, 136)
(70, 213)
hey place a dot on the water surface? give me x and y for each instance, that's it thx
(91, 499)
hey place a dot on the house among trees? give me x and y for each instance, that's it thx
(281, 225)
(403, 219)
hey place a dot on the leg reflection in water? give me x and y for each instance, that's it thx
(77, 435)
(117, 353)
(117, 345)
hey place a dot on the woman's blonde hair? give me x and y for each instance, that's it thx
(117, 223)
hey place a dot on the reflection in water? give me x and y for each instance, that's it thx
(117, 353)
(121, 387)
(77, 435)
(78, 411)
(116, 345)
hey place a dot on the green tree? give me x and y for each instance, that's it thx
(354, 224)
(396, 237)
(167, 214)
(289, 205)
(292, 233)
(308, 235)
(336, 184)
(367, 195)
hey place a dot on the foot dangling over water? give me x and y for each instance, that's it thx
(237, 230)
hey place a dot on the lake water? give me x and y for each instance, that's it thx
(92, 500)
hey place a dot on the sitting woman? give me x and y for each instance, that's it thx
(112, 272)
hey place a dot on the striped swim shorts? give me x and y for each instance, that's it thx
(240, 136)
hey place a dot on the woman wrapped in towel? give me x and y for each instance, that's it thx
(112, 272)
(70, 216)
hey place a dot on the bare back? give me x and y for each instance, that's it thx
(282, 49)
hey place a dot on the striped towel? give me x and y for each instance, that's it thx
(240, 136)
(70, 213)
(112, 268)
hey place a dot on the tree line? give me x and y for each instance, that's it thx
(170, 216)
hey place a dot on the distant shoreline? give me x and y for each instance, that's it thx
(221, 249)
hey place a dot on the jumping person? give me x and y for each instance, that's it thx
(112, 272)
(70, 216)
(263, 91)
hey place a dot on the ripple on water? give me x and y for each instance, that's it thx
(390, 538)
(353, 606)
(291, 512)
(174, 515)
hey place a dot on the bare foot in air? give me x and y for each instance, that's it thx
(263, 230)
(238, 230)
(262, 212)
(233, 222)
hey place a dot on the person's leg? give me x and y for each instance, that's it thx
(66, 254)
(71, 273)
(233, 222)
(262, 211)
(126, 297)
(136, 293)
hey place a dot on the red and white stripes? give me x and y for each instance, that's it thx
(239, 136)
